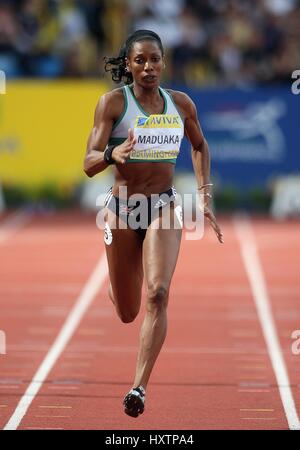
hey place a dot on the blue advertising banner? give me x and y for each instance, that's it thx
(253, 133)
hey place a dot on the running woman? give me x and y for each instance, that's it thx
(138, 129)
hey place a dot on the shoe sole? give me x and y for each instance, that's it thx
(133, 405)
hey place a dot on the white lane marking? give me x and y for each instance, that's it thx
(251, 391)
(80, 307)
(254, 271)
(13, 223)
(258, 418)
(257, 409)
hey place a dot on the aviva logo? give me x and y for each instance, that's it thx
(141, 121)
(159, 121)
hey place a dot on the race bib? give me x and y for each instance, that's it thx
(157, 137)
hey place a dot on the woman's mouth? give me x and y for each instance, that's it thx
(150, 78)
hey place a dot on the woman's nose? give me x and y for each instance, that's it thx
(148, 66)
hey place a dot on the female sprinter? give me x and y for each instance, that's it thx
(138, 128)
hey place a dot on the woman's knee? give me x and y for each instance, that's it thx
(127, 316)
(157, 295)
(127, 307)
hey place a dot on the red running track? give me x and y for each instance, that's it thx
(215, 370)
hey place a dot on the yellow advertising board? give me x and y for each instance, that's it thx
(44, 128)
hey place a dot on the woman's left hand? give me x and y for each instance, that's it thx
(209, 215)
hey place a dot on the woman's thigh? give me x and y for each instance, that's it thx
(161, 249)
(124, 255)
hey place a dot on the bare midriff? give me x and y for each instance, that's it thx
(143, 178)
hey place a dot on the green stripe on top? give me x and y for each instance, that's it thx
(116, 141)
(124, 110)
(130, 88)
(176, 107)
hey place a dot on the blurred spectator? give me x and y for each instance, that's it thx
(280, 7)
(8, 36)
(206, 41)
(189, 55)
(160, 17)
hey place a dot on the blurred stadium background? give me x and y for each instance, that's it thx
(234, 57)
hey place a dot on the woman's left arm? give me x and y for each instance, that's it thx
(200, 159)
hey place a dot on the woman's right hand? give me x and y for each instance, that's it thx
(122, 152)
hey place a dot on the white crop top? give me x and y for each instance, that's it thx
(158, 136)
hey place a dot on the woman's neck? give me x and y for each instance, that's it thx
(147, 95)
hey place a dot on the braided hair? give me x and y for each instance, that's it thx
(117, 66)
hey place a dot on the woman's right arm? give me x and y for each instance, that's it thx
(99, 137)
(107, 111)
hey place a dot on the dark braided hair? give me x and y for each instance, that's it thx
(117, 66)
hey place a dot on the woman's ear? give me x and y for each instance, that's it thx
(127, 69)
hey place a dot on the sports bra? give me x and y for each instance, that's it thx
(158, 136)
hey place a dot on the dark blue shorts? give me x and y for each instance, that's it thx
(139, 211)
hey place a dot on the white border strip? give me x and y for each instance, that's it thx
(82, 304)
(13, 223)
(254, 271)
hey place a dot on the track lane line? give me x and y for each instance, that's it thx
(253, 267)
(69, 327)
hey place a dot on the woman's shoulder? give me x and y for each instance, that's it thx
(112, 102)
(114, 95)
(182, 101)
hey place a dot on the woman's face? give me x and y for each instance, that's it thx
(145, 62)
